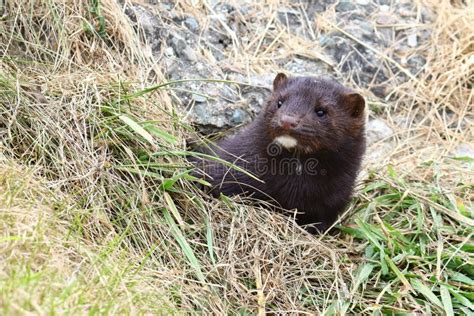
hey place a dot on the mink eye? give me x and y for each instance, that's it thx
(280, 103)
(320, 112)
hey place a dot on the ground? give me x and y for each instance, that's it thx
(100, 213)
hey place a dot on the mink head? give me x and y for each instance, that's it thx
(309, 114)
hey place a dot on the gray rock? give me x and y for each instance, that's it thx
(152, 27)
(378, 130)
(327, 41)
(238, 116)
(167, 6)
(464, 150)
(178, 44)
(416, 62)
(208, 116)
(255, 101)
(199, 98)
(345, 5)
(412, 40)
(189, 54)
(169, 52)
(192, 24)
(225, 8)
(365, 29)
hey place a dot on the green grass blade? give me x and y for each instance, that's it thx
(172, 208)
(209, 238)
(185, 247)
(137, 128)
(459, 277)
(362, 275)
(144, 173)
(168, 183)
(397, 271)
(160, 133)
(463, 300)
(446, 299)
(370, 235)
(426, 292)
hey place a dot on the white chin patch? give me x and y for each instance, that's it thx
(286, 141)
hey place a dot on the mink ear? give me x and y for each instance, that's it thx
(279, 81)
(354, 103)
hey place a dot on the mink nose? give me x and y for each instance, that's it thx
(288, 121)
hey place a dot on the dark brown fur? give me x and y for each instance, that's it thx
(317, 176)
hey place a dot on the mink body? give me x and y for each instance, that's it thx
(306, 147)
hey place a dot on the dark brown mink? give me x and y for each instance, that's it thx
(305, 147)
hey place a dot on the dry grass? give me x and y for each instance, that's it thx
(134, 230)
(46, 266)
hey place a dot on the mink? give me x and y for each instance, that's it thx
(302, 151)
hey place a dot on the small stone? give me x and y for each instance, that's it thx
(363, 2)
(217, 53)
(169, 52)
(377, 130)
(209, 116)
(238, 116)
(327, 41)
(464, 150)
(344, 6)
(200, 67)
(366, 29)
(227, 8)
(412, 40)
(416, 62)
(178, 45)
(192, 24)
(255, 101)
(167, 7)
(189, 54)
(199, 98)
